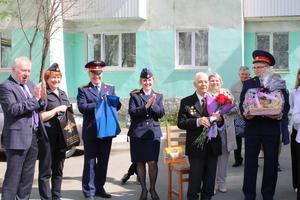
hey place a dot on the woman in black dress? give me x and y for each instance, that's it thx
(52, 150)
(145, 108)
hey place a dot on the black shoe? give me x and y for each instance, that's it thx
(125, 178)
(143, 195)
(103, 195)
(154, 195)
(237, 164)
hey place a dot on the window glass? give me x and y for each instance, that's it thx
(201, 46)
(185, 50)
(5, 50)
(111, 50)
(97, 46)
(128, 50)
(263, 42)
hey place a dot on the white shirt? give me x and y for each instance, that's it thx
(99, 86)
(147, 93)
(295, 109)
(200, 100)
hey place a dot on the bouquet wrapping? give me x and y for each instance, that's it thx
(221, 104)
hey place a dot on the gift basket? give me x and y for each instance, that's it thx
(266, 100)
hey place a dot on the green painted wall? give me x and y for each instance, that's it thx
(20, 47)
(156, 50)
(74, 62)
(225, 54)
(249, 48)
(294, 59)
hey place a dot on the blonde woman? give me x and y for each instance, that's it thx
(227, 133)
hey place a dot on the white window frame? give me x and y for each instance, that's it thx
(270, 34)
(191, 67)
(3, 69)
(119, 67)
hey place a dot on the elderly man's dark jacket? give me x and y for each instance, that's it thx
(190, 109)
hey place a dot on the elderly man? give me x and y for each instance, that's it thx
(261, 131)
(193, 118)
(236, 89)
(20, 101)
(96, 151)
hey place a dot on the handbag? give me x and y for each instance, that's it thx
(69, 128)
(240, 126)
(107, 117)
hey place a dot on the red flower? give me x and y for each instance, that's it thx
(221, 99)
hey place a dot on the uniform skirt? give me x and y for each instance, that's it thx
(144, 150)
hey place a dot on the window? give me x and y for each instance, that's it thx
(192, 48)
(5, 50)
(117, 50)
(277, 44)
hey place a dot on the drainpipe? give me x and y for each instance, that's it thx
(242, 32)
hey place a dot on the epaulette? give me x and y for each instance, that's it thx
(84, 86)
(135, 91)
(108, 84)
(156, 92)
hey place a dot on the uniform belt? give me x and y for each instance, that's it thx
(35, 130)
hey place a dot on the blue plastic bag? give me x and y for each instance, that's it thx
(107, 117)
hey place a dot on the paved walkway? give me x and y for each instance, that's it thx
(120, 161)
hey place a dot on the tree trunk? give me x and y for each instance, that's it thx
(30, 50)
(46, 45)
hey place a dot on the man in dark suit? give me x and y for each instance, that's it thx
(96, 151)
(20, 103)
(261, 131)
(193, 118)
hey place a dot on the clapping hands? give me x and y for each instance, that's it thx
(151, 101)
(40, 92)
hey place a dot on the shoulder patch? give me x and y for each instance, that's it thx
(84, 86)
(135, 91)
(108, 84)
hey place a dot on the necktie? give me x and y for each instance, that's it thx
(204, 107)
(35, 114)
(97, 88)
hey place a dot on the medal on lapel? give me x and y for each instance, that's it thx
(192, 110)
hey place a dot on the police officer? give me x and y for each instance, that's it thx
(52, 152)
(96, 151)
(145, 108)
(267, 135)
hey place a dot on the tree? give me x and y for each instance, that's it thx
(49, 13)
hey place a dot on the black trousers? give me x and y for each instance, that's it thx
(253, 143)
(295, 155)
(202, 177)
(19, 172)
(238, 152)
(51, 164)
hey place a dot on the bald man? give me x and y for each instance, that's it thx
(20, 100)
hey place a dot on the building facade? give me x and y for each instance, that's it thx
(174, 38)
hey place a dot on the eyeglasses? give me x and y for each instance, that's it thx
(254, 68)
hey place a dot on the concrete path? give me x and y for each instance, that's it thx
(120, 161)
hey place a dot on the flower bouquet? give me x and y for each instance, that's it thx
(221, 104)
(266, 100)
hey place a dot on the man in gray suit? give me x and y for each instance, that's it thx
(20, 101)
